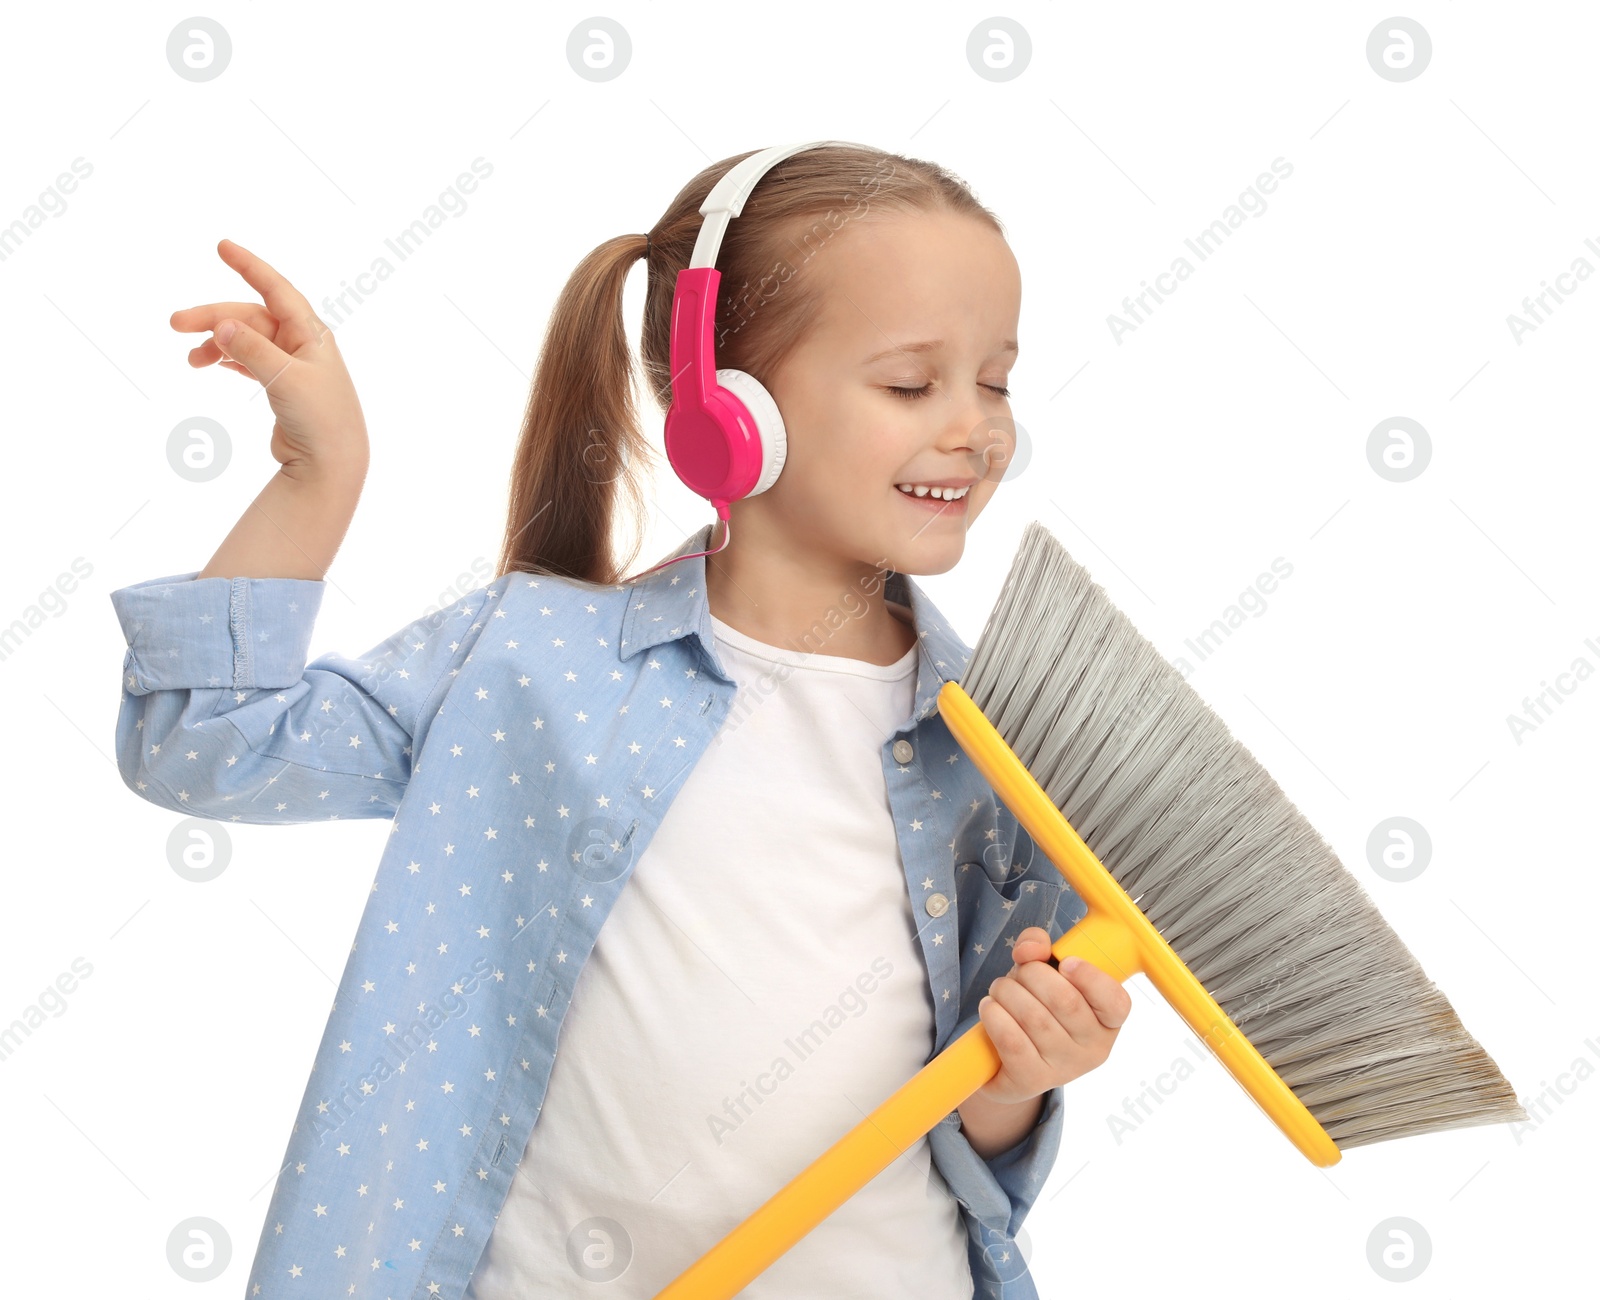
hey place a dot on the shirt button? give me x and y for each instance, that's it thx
(937, 905)
(902, 751)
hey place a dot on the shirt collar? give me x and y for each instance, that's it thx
(671, 604)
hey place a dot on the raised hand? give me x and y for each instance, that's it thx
(280, 343)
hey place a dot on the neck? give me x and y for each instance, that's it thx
(787, 595)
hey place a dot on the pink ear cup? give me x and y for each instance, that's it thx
(724, 436)
(719, 447)
(772, 437)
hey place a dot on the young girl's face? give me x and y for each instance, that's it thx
(926, 304)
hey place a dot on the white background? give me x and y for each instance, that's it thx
(1228, 430)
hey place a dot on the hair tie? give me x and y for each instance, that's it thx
(647, 245)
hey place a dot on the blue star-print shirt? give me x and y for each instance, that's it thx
(526, 743)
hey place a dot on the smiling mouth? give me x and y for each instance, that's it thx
(942, 492)
(935, 505)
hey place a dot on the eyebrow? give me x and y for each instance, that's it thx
(927, 345)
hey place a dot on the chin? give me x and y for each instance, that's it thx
(928, 556)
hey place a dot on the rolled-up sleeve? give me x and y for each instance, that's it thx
(1005, 1186)
(185, 633)
(223, 717)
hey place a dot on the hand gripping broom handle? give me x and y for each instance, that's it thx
(1114, 935)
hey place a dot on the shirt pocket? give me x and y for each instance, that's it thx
(1018, 872)
(1008, 887)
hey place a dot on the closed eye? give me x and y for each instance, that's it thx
(907, 394)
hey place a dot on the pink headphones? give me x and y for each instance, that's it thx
(724, 434)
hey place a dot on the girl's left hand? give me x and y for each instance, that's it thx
(1048, 1025)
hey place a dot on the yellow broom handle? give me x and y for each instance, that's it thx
(872, 1146)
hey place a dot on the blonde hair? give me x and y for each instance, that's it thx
(581, 445)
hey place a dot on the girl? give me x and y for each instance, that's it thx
(733, 762)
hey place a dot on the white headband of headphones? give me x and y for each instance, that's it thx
(727, 196)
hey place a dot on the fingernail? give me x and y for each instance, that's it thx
(225, 331)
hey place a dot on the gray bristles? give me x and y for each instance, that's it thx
(1229, 871)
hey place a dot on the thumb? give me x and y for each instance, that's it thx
(243, 346)
(1033, 944)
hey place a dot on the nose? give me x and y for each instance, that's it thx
(987, 439)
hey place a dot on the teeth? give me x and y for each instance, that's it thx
(920, 490)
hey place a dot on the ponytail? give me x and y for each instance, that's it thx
(580, 438)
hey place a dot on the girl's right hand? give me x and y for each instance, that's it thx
(320, 429)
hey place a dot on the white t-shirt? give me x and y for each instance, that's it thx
(755, 992)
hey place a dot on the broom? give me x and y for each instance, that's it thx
(1198, 873)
